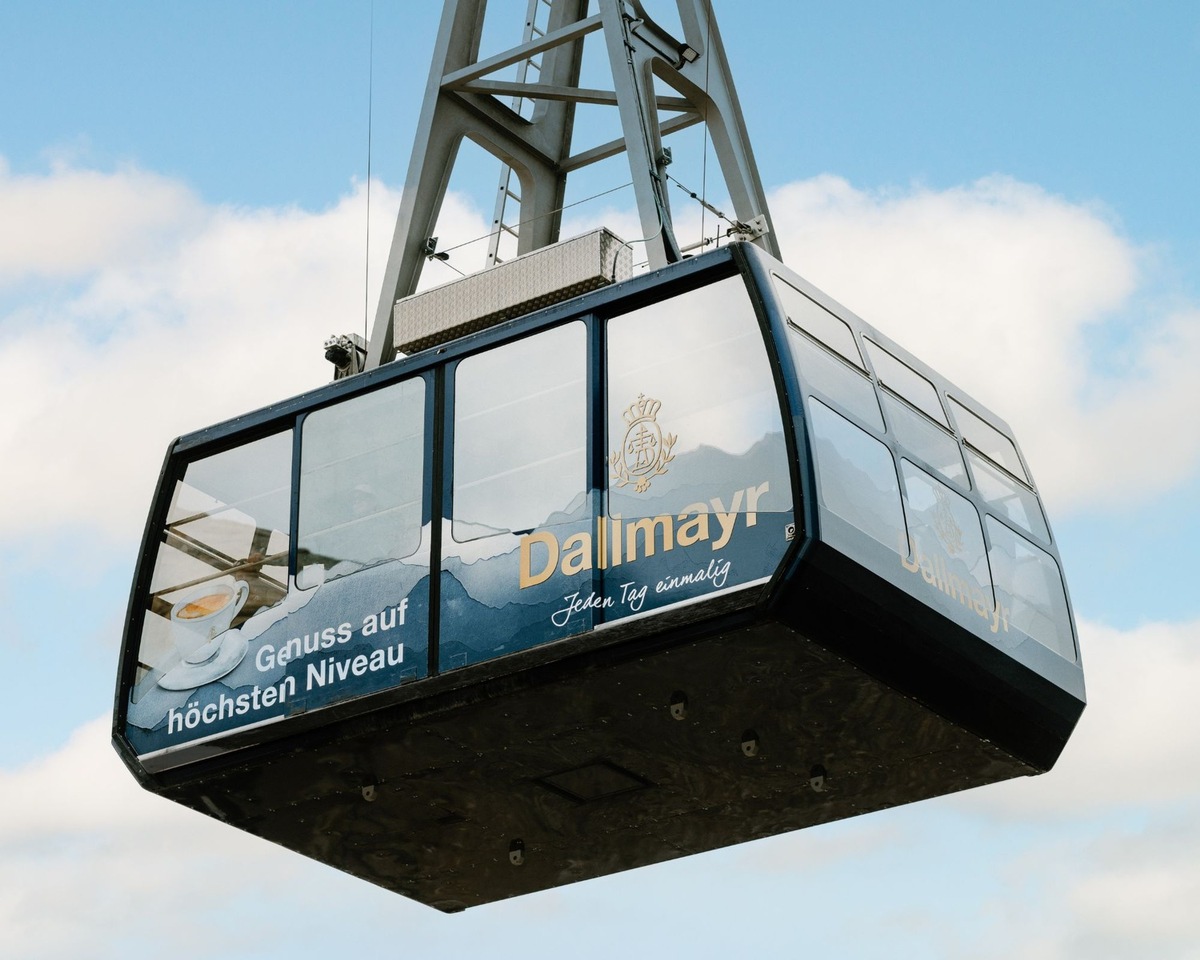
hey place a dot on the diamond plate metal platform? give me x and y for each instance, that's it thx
(511, 289)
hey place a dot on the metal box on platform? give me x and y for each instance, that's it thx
(511, 289)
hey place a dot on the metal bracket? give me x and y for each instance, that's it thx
(750, 229)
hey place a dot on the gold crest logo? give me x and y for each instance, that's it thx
(944, 524)
(645, 451)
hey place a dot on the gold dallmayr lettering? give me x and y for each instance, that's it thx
(933, 571)
(618, 541)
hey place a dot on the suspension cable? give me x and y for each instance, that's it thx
(370, 118)
(541, 216)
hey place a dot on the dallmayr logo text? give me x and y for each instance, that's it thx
(618, 540)
(934, 568)
(644, 454)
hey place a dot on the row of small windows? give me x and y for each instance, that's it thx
(689, 385)
(935, 530)
(692, 419)
(914, 411)
(693, 370)
(687, 380)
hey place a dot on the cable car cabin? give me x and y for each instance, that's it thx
(689, 560)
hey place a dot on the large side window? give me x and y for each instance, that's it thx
(222, 556)
(1029, 589)
(361, 478)
(519, 543)
(220, 570)
(856, 477)
(699, 491)
(520, 433)
(231, 641)
(946, 548)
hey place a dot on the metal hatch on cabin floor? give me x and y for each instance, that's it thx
(615, 569)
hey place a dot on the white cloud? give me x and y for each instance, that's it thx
(1118, 889)
(191, 315)
(1007, 290)
(74, 221)
(1110, 841)
(83, 850)
(157, 314)
(1137, 892)
(1128, 751)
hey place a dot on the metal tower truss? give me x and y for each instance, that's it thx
(462, 99)
(535, 28)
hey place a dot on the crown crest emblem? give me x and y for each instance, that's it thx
(645, 450)
(642, 408)
(944, 524)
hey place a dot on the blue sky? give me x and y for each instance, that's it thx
(1007, 189)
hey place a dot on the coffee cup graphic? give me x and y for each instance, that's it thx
(201, 621)
(208, 610)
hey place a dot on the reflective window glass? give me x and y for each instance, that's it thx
(904, 380)
(946, 541)
(699, 482)
(1029, 589)
(222, 555)
(856, 477)
(926, 440)
(361, 475)
(818, 322)
(520, 433)
(692, 405)
(988, 440)
(820, 370)
(1015, 501)
(237, 642)
(521, 514)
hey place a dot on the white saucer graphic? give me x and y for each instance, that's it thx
(208, 663)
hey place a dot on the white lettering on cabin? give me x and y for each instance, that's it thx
(268, 657)
(632, 597)
(715, 574)
(193, 716)
(576, 604)
(331, 670)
